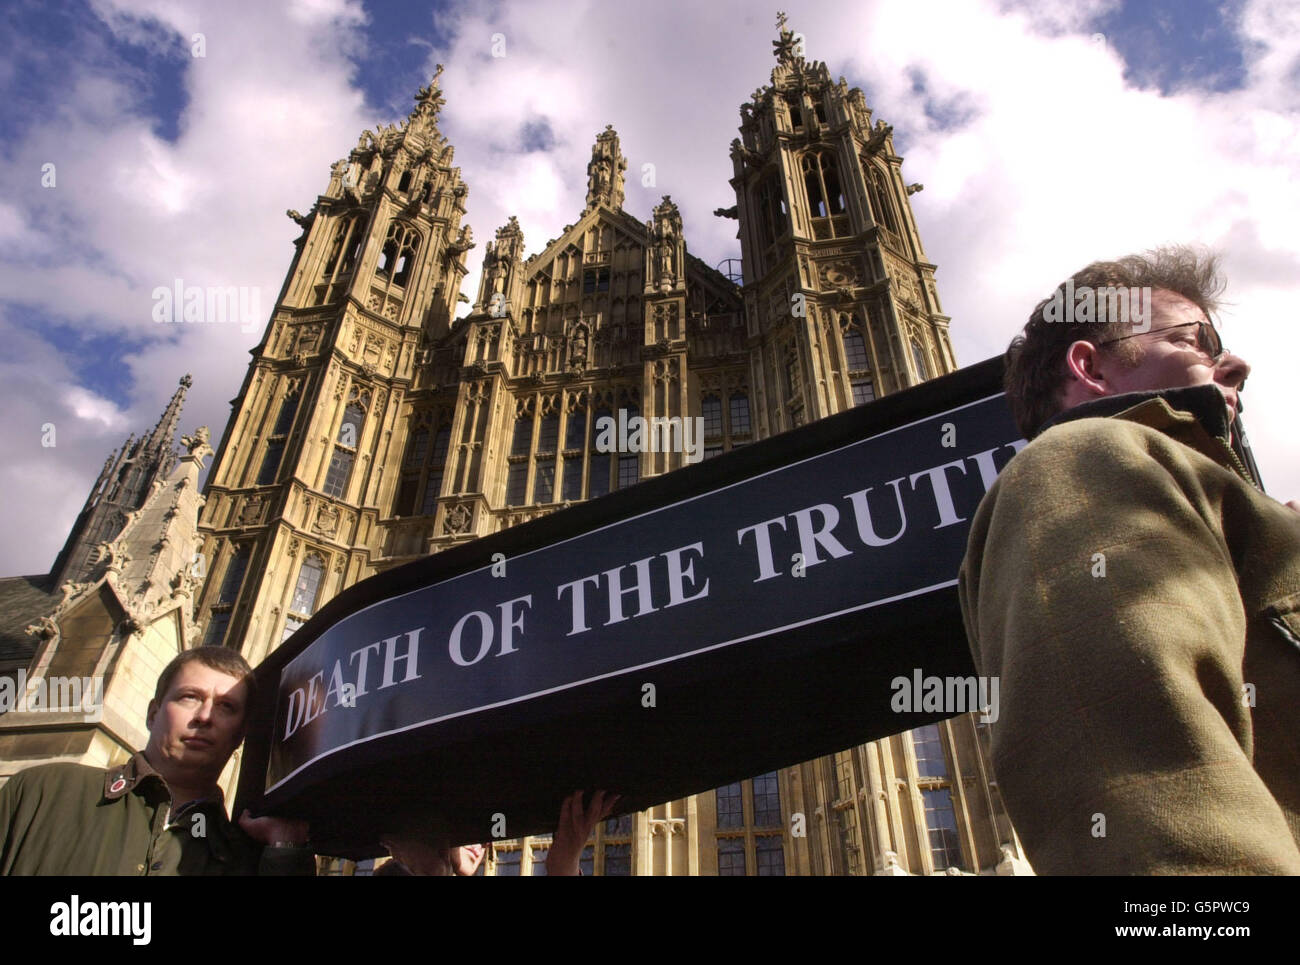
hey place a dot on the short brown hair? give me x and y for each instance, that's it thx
(221, 659)
(1035, 360)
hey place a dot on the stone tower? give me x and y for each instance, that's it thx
(309, 463)
(840, 299)
(841, 307)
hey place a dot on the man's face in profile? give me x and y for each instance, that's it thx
(1173, 354)
(198, 724)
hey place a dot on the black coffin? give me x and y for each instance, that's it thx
(738, 615)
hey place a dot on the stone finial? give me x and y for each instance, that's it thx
(786, 50)
(605, 171)
(428, 101)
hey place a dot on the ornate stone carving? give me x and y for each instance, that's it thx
(251, 512)
(308, 338)
(457, 520)
(327, 521)
(666, 370)
(666, 246)
(462, 243)
(840, 274)
(45, 628)
(878, 136)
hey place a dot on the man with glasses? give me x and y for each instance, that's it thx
(1138, 595)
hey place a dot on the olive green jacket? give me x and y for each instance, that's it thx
(1139, 599)
(69, 819)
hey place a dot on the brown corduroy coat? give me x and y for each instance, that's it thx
(1139, 599)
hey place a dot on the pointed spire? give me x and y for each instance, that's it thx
(605, 171)
(499, 262)
(164, 433)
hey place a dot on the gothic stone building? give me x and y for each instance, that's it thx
(373, 427)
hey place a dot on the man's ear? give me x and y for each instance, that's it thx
(149, 714)
(1082, 365)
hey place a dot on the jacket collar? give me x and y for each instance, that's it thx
(139, 773)
(125, 778)
(1204, 402)
(1195, 415)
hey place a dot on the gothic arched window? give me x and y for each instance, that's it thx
(794, 103)
(740, 424)
(831, 180)
(857, 363)
(822, 182)
(398, 254)
(548, 440)
(575, 444)
(231, 583)
(423, 466)
(345, 247)
(305, 593)
(343, 254)
(918, 356)
(772, 212)
(855, 351)
(517, 471)
(437, 468)
(711, 411)
(813, 186)
(598, 471)
(345, 450)
(277, 440)
(881, 209)
(629, 464)
(418, 448)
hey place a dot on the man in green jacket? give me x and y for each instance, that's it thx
(162, 812)
(1136, 593)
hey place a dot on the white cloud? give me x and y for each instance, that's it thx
(13, 227)
(90, 407)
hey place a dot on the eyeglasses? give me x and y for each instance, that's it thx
(1207, 338)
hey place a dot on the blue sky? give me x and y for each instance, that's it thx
(1047, 134)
